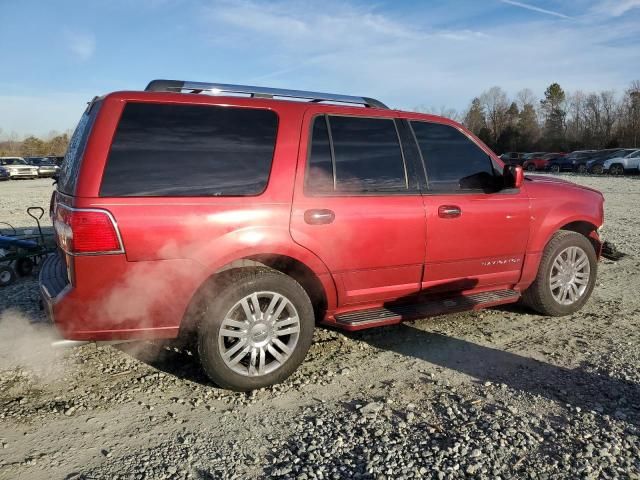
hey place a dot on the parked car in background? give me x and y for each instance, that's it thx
(529, 156)
(540, 163)
(567, 163)
(18, 167)
(512, 158)
(630, 161)
(595, 163)
(241, 222)
(46, 166)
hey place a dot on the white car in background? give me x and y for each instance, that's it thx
(18, 167)
(620, 165)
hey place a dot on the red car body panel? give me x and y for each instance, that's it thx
(378, 249)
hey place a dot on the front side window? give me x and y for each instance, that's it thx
(355, 155)
(190, 150)
(454, 163)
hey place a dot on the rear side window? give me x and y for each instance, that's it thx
(190, 150)
(355, 155)
(453, 162)
(68, 174)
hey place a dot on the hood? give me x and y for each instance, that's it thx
(557, 181)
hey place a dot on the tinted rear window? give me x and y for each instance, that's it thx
(190, 150)
(68, 174)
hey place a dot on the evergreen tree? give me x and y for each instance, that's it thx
(553, 109)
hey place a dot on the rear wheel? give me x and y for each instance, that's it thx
(531, 167)
(582, 168)
(555, 168)
(256, 330)
(616, 169)
(597, 169)
(566, 275)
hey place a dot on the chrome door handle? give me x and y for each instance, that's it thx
(449, 211)
(319, 216)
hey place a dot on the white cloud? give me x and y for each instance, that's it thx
(81, 45)
(615, 8)
(533, 8)
(409, 61)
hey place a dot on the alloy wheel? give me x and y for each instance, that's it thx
(259, 333)
(569, 276)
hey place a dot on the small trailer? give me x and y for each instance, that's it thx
(21, 252)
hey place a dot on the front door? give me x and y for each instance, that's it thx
(477, 230)
(357, 206)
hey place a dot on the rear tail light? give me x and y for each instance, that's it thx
(86, 231)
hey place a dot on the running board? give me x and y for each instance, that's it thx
(397, 313)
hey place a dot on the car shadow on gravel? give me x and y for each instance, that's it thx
(577, 387)
(171, 359)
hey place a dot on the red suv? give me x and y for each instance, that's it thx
(189, 210)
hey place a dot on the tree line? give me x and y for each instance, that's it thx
(560, 121)
(54, 145)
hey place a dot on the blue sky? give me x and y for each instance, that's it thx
(56, 55)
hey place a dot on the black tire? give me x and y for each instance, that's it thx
(539, 296)
(616, 169)
(597, 169)
(227, 291)
(24, 267)
(7, 275)
(555, 168)
(531, 167)
(582, 168)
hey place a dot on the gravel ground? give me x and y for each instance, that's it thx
(495, 394)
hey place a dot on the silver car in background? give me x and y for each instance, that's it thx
(46, 165)
(622, 164)
(18, 167)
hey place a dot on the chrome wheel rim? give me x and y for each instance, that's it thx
(259, 334)
(569, 276)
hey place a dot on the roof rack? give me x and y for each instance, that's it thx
(258, 92)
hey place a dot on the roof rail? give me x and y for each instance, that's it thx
(260, 92)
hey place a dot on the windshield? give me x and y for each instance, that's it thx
(613, 154)
(13, 161)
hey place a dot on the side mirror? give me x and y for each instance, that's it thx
(513, 176)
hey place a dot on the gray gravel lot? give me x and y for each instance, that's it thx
(501, 393)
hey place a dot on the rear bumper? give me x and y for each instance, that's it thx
(116, 300)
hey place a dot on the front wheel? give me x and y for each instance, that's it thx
(555, 168)
(582, 168)
(7, 275)
(256, 330)
(531, 168)
(566, 275)
(597, 169)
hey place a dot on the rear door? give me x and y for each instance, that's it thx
(358, 207)
(477, 232)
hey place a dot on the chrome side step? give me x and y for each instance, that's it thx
(392, 313)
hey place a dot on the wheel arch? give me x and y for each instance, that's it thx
(318, 285)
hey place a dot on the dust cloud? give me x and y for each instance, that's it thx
(27, 345)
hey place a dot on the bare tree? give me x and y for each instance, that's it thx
(495, 104)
